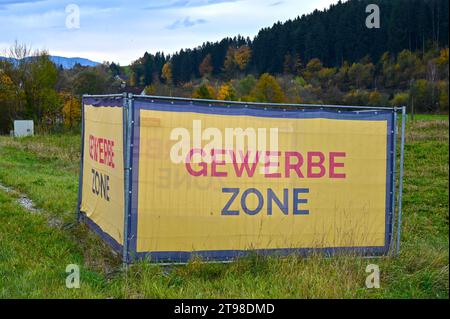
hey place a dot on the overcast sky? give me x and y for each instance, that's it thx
(122, 30)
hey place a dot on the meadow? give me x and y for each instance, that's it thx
(37, 246)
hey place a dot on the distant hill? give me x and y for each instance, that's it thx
(66, 63)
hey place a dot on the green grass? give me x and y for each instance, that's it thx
(35, 249)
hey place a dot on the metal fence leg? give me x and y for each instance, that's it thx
(393, 180)
(126, 148)
(400, 187)
(80, 175)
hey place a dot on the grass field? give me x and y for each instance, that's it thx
(36, 247)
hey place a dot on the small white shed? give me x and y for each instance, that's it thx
(23, 128)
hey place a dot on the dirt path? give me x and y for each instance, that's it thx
(21, 199)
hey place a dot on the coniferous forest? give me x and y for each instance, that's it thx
(334, 36)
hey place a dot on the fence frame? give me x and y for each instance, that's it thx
(128, 129)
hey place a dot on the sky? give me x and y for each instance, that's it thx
(122, 30)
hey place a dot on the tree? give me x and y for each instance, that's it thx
(292, 64)
(115, 69)
(205, 69)
(204, 91)
(400, 99)
(377, 99)
(357, 97)
(443, 97)
(150, 89)
(167, 73)
(267, 89)
(243, 56)
(361, 75)
(312, 68)
(226, 92)
(230, 65)
(236, 59)
(8, 97)
(89, 82)
(71, 110)
(43, 103)
(246, 85)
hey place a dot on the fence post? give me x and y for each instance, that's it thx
(80, 174)
(400, 186)
(393, 178)
(126, 153)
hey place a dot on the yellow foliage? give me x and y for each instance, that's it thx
(443, 57)
(400, 99)
(167, 73)
(6, 87)
(242, 56)
(204, 91)
(237, 58)
(375, 98)
(150, 90)
(71, 110)
(267, 89)
(226, 93)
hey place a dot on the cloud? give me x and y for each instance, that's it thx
(186, 4)
(12, 2)
(276, 3)
(5, 3)
(185, 23)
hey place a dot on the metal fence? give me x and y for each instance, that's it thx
(398, 148)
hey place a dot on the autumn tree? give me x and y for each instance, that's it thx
(226, 92)
(361, 74)
(267, 89)
(242, 56)
(166, 73)
(71, 110)
(150, 89)
(400, 99)
(230, 65)
(236, 59)
(205, 69)
(8, 98)
(204, 91)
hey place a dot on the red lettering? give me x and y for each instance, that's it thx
(269, 164)
(296, 167)
(216, 163)
(334, 165)
(101, 150)
(203, 165)
(312, 164)
(245, 165)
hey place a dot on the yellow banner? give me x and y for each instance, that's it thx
(203, 187)
(103, 170)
